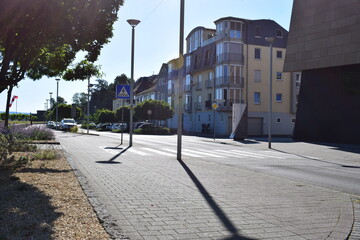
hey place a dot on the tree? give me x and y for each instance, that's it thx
(118, 114)
(41, 37)
(159, 110)
(64, 111)
(105, 116)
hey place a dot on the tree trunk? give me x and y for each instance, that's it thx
(6, 124)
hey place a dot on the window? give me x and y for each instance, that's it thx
(258, 31)
(188, 61)
(257, 76)
(279, 33)
(235, 29)
(279, 76)
(199, 117)
(293, 120)
(257, 98)
(257, 53)
(297, 80)
(278, 120)
(279, 54)
(279, 97)
(207, 57)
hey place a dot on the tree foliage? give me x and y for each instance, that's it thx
(41, 37)
(159, 110)
(105, 116)
(118, 114)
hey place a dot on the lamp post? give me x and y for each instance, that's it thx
(271, 41)
(57, 99)
(50, 103)
(181, 58)
(133, 23)
(88, 105)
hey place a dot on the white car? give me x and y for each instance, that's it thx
(67, 123)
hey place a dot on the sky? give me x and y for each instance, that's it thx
(156, 42)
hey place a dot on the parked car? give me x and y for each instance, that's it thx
(67, 123)
(137, 124)
(120, 126)
(104, 126)
(148, 126)
(50, 124)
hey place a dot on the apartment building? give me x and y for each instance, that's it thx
(229, 66)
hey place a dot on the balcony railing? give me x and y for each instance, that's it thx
(228, 103)
(187, 107)
(209, 83)
(171, 91)
(229, 81)
(187, 87)
(230, 57)
(198, 86)
(198, 106)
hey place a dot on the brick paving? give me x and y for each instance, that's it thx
(162, 198)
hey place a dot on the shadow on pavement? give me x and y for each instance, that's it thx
(211, 202)
(112, 160)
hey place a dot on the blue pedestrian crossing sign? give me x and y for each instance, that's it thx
(122, 91)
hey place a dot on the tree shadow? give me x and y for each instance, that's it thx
(228, 224)
(25, 212)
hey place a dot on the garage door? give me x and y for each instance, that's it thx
(255, 126)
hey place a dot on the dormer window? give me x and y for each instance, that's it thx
(279, 33)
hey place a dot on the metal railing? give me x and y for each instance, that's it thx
(230, 57)
(229, 81)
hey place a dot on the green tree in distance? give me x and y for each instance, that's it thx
(159, 110)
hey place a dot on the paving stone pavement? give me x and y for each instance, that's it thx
(162, 198)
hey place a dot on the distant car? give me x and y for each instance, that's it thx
(67, 123)
(104, 126)
(137, 124)
(120, 126)
(148, 126)
(50, 124)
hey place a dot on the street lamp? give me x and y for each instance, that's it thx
(50, 104)
(181, 58)
(88, 105)
(57, 99)
(271, 41)
(133, 23)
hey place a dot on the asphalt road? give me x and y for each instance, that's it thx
(324, 166)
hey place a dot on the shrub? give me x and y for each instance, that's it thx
(155, 131)
(47, 154)
(74, 129)
(32, 132)
(85, 125)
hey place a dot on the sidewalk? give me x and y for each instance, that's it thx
(163, 198)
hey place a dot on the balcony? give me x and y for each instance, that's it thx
(229, 81)
(187, 107)
(198, 106)
(187, 88)
(227, 104)
(198, 86)
(209, 83)
(171, 91)
(230, 57)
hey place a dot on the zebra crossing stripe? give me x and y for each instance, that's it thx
(138, 152)
(203, 153)
(257, 154)
(159, 152)
(183, 152)
(238, 154)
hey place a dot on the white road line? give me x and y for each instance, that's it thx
(138, 152)
(203, 153)
(159, 152)
(258, 154)
(184, 152)
(238, 154)
(229, 154)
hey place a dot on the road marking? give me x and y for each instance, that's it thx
(183, 152)
(258, 154)
(159, 152)
(235, 153)
(203, 153)
(138, 152)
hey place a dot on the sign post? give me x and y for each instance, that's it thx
(123, 92)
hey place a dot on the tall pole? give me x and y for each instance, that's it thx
(133, 23)
(88, 106)
(181, 64)
(57, 99)
(50, 104)
(270, 40)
